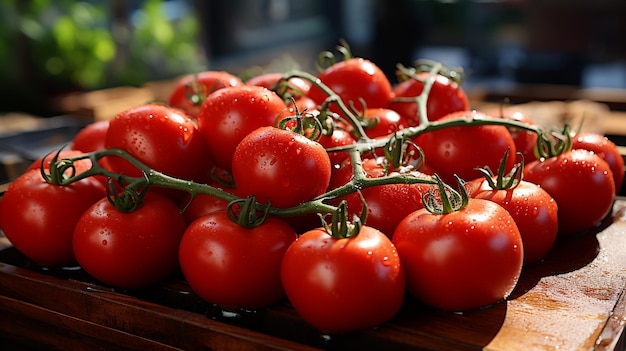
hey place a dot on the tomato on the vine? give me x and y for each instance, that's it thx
(581, 183)
(525, 140)
(606, 149)
(534, 212)
(280, 167)
(382, 122)
(353, 80)
(297, 87)
(191, 89)
(343, 284)
(461, 149)
(92, 137)
(38, 218)
(446, 96)
(229, 114)
(161, 137)
(465, 259)
(130, 250)
(232, 266)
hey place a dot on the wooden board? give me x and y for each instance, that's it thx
(573, 300)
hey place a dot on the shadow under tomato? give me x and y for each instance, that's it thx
(568, 254)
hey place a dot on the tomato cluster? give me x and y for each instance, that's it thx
(339, 192)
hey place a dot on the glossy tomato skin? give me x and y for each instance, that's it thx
(445, 97)
(200, 205)
(352, 80)
(229, 114)
(534, 211)
(388, 204)
(462, 260)
(92, 137)
(582, 185)
(234, 267)
(280, 167)
(38, 218)
(385, 121)
(342, 285)
(185, 98)
(606, 149)
(525, 140)
(461, 149)
(130, 250)
(339, 137)
(270, 80)
(161, 137)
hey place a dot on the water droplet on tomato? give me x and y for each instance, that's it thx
(104, 243)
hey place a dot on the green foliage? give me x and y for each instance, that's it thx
(77, 44)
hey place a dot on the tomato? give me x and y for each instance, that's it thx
(234, 267)
(339, 137)
(80, 165)
(130, 250)
(581, 183)
(383, 121)
(445, 97)
(461, 260)
(280, 167)
(91, 137)
(534, 212)
(343, 284)
(39, 218)
(161, 137)
(299, 87)
(229, 114)
(191, 90)
(388, 204)
(200, 205)
(525, 140)
(606, 149)
(352, 80)
(461, 149)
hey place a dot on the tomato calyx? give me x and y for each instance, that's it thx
(129, 199)
(306, 124)
(448, 201)
(340, 227)
(503, 180)
(56, 171)
(553, 143)
(245, 212)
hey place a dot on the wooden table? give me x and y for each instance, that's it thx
(573, 300)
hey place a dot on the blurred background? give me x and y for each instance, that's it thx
(51, 48)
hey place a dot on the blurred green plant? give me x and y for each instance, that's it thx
(66, 45)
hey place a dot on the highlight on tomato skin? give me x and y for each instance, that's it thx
(460, 261)
(606, 149)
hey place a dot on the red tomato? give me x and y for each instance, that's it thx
(234, 267)
(461, 149)
(162, 138)
(200, 205)
(341, 285)
(388, 204)
(525, 140)
(534, 212)
(340, 137)
(461, 260)
(383, 121)
(606, 149)
(445, 97)
(580, 182)
(280, 167)
(229, 114)
(352, 80)
(130, 250)
(191, 90)
(91, 137)
(39, 218)
(270, 80)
